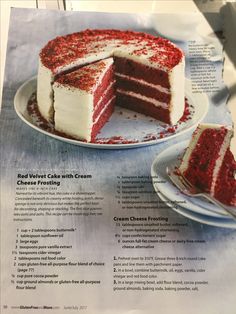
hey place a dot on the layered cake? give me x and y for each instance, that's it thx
(84, 99)
(148, 70)
(209, 164)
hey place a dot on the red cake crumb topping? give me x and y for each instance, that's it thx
(85, 78)
(171, 130)
(168, 58)
(187, 114)
(115, 140)
(64, 50)
(139, 52)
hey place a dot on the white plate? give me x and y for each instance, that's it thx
(129, 125)
(163, 184)
(204, 219)
(193, 208)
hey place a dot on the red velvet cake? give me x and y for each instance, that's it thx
(149, 71)
(209, 164)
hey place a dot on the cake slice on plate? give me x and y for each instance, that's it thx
(209, 164)
(84, 100)
(149, 70)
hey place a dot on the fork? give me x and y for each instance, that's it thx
(187, 188)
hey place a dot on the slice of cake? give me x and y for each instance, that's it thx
(209, 164)
(84, 100)
(149, 70)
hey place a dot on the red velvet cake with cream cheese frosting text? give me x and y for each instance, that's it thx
(148, 72)
(209, 164)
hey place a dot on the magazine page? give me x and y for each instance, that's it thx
(91, 222)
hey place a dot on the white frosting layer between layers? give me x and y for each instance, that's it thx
(104, 93)
(142, 82)
(144, 98)
(104, 109)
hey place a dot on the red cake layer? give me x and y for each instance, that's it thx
(145, 90)
(102, 120)
(141, 71)
(201, 162)
(143, 106)
(225, 189)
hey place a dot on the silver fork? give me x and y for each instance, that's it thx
(187, 188)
